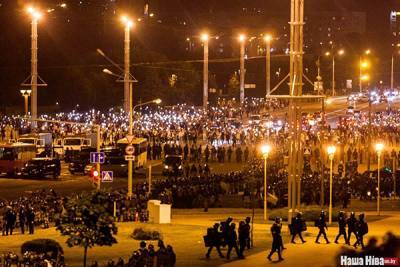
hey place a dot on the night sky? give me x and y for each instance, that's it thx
(68, 39)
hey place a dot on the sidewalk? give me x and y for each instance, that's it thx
(311, 254)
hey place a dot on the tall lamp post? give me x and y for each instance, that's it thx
(331, 153)
(127, 81)
(128, 93)
(34, 80)
(242, 40)
(26, 94)
(379, 149)
(205, 39)
(267, 39)
(339, 53)
(265, 150)
(363, 65)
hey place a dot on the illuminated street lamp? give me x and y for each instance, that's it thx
(242, 41)
(331, 153)
(339, 53)
(379, 148)
(363, 65)
(26, 94)
(205, 38)
(265, 150)
(267, 39)
(35, 15)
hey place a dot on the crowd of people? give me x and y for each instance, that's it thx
(147, 256)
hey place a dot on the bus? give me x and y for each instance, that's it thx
(140, 145)
(14, 156)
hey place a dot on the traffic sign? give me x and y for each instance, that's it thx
(129, 150)
(97, 157)
(129, 157)
(307, 151)
(107, 176)
(129, 138)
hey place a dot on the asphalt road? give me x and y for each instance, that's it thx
(66, 184)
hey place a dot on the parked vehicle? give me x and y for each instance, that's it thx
(42, 167)
(114, 161)
(69, 146)
(14, 156)
(79, 162)
(140, 146)
(42, 141)
(172, 165)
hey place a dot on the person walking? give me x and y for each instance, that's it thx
(321, 224)
(342, 227)
(351, 227)
(298, 225)
(362, 229)
(232, 241)
(276, 239)
(214, 236)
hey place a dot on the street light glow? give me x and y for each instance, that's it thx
(157, 101)
(327, 54)
(265, 149)
(379, 147)
(364, 64)
(36, 14)
(331, 150)
(127, 21)
(242, 37)
(204, 37)
(365, 77)
(108, 71)
(341, 52)
(268, 38)
(368, 51)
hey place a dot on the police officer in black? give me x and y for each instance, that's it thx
(362, 229)
(276, 239)
(231, 241)
(352, 225)
(321, 224)
(215, 237)
(243, 236)
(247, 229)
(30, 219)
(10, 221)
(22, 219)
(297, 227)
(342, 227)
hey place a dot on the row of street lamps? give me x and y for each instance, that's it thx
(331, 150)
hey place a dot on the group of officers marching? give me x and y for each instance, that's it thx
(359, 228)
(224, 233)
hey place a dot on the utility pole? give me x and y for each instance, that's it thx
(34, 77)
(242, 40)
(267, 39)
(391, 74)
(127, 99)
(296, 87)
(205, 38)
(333, 75)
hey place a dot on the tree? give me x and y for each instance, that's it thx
(88, 222)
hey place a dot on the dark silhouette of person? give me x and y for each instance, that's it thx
(276, 239)
(342, 227)
(321, 224)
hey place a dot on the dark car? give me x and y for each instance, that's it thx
(42, 167)
(79, 162)
(172, 165)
